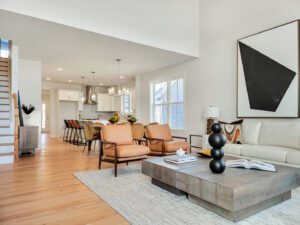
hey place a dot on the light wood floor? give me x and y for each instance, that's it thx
(42, 189)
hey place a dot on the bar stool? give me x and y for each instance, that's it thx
(78, 139)
(71, 136)
(66, 130)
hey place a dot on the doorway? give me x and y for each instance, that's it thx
(45, 111)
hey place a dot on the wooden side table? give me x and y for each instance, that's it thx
(195, 135)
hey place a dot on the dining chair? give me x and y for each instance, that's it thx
(138, 133)
(90, 137)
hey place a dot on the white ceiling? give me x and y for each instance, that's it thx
(79, 52)
(172, 25)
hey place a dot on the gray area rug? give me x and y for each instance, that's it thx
(133, 196)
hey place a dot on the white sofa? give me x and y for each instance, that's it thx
(271, 141)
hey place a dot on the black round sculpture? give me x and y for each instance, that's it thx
(217, 141)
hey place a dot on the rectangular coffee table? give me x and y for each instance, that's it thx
(235, 195)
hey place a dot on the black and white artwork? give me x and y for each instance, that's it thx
(268, 73)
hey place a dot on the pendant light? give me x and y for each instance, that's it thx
(93, 96)
(112, 91)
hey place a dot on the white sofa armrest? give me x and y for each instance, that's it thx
(205, 144)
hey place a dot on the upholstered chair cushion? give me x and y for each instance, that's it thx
(126, 151)
(173, 146)
(120, 134)
(159, 131)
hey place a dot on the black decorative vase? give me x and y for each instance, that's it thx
(217, 141)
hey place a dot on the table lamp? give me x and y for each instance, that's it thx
(211, 113)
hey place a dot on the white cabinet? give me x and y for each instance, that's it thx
(116, 104)
(104, 103)
(68, 95)
(80, 103)
(108, 103)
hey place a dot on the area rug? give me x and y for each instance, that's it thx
(133, 196)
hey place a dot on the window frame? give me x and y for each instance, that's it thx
(169, 103)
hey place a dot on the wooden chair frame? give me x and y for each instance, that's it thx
(162, 141)
(115, 161)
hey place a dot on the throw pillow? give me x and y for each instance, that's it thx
(232, 131)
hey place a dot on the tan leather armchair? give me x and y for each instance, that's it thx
(118, 146)
(161, 141)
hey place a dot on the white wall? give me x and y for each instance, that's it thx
(29, 84)
(168, 24)
(211, 79)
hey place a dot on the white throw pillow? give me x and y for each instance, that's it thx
(251, 130)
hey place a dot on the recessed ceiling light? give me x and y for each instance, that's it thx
(59, 69)
(48, 78)
(69, 81)
(100, 84)
(121, 77)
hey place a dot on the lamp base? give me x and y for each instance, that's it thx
(208, 126)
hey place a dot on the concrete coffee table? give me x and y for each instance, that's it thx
(235, 195)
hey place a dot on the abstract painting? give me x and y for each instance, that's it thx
(268, 79)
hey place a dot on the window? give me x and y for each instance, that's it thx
(168, 103)
(126, 103)
(4, 48)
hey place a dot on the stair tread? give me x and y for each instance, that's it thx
(6, 144)
(6, 135)
(4, 126)
(7, 154)
(4, 118)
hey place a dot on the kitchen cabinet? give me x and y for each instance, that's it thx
(116, 104)
(104, 103)
(108, 103)
(68, 95)
(80, 103)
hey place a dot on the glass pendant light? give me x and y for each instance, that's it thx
(93, 96)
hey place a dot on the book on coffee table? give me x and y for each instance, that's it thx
(253, 164)
(180, 159)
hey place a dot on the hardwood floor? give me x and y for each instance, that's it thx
(43, 190)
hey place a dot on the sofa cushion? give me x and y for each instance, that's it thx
(251, 130)
(285, 134)
(125, 151)
(272, 153)
(233, 149)
(293, 158)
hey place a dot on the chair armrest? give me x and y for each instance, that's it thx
(109, 142)
(176, 137)
(162, 141)
(154, 139)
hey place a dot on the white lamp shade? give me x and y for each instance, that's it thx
(211, 112)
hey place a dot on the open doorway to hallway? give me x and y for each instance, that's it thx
(45, 111)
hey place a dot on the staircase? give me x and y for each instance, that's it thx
(6, 131)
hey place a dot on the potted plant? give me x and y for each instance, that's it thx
(28, 110)
(131, 118)
(114, 119)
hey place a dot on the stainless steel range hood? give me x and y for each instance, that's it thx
(88, 96)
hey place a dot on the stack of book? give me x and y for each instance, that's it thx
(178, 159)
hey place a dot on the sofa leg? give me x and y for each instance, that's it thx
(127, 163)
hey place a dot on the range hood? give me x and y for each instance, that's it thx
(88, 96)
